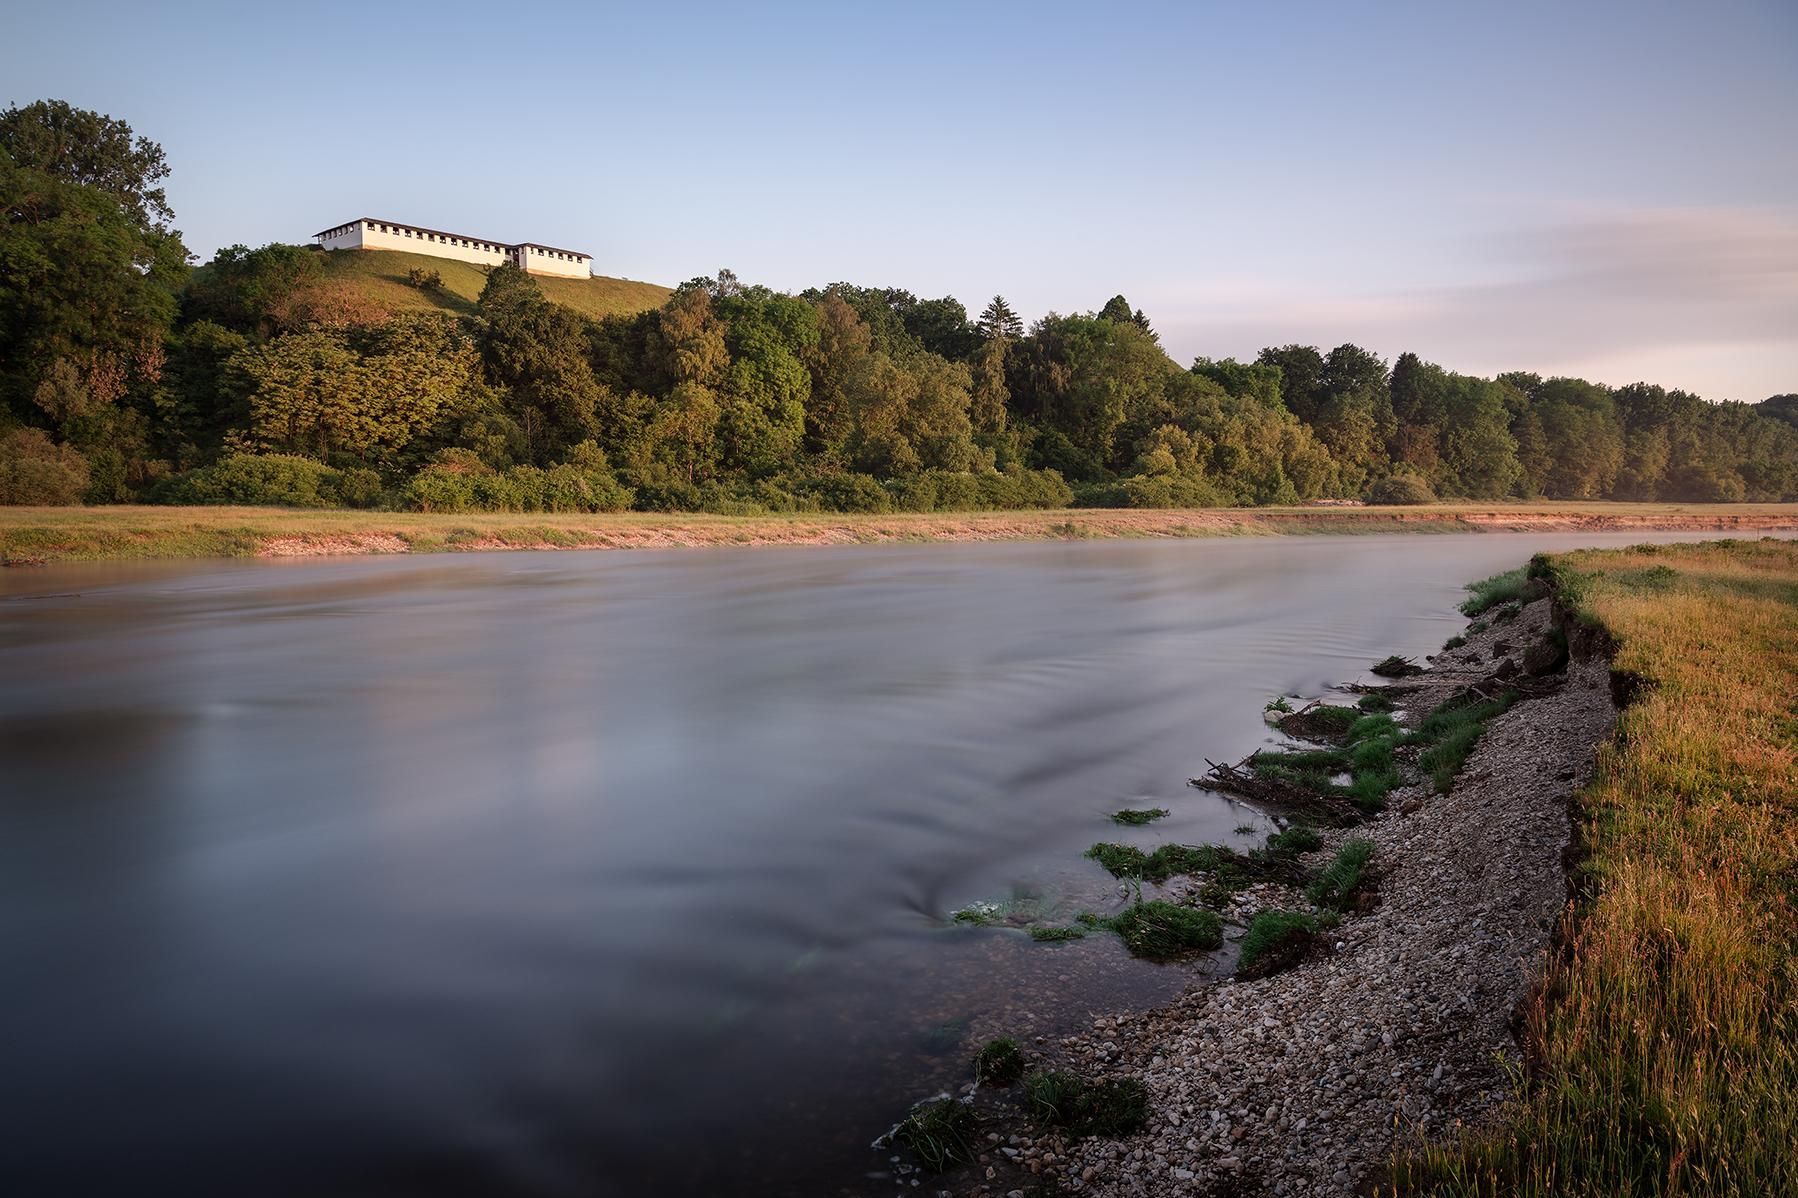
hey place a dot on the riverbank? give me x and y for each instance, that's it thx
(1656, 1030)
(34, 536)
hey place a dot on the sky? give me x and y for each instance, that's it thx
(1605, 190)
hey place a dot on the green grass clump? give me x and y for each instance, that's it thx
(1449, 733)
(1106, 1108)
(1275, 940)
(1500, 588)
(1294, 840)
(1136, 819)
(1375, 703)
(940, 1133)
(999, 1062)
(1453, 642)
(1161, 930)
(1167, 861)
(1335, 888)
(1396, 667)
(1051, 935)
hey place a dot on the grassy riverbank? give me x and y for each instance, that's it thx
(41, 535)
(1663, 1048)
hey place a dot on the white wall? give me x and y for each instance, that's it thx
(384, 235)
(541, 261)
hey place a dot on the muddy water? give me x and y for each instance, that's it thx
(609, 873)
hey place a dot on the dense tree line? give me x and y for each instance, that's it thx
(126, 375)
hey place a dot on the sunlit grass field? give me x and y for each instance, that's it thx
(1663, 1050)
(381, 275)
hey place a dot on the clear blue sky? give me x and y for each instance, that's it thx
(1595, 188)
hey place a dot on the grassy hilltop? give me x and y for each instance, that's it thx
(381, 276)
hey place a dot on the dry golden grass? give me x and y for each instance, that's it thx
(1663, 1049)
(380, 275)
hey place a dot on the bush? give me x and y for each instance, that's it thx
(360, 487)
(1153, 491)
(845, 493)
(1401, 489)
(34, 469)
(459, 482)
(275, 479)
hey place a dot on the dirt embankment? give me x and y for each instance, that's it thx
(37, 536)
(1305, 1082)
(679, 533)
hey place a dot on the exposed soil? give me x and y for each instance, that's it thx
(696, 532)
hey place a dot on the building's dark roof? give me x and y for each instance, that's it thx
(509, 245)
(538, 245)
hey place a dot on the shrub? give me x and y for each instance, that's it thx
(278, 479)
(845, 493)
(441, 488)
(34, 469)
(999, 1062)
(1401, 489)
(360, 487)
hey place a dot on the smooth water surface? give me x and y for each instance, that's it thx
(605, 873)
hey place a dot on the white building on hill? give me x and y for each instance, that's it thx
(368, 234)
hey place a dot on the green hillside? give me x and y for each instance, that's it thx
(382, 275)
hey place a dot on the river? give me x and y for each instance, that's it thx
(606, 873)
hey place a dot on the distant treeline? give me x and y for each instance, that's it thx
(124, 376)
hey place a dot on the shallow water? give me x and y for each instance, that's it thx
(605, 873)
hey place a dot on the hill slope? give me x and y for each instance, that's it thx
(381, 274)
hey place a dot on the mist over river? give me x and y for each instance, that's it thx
(615, 873)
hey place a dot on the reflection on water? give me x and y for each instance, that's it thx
(609, 873)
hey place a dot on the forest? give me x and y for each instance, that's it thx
(129, 375)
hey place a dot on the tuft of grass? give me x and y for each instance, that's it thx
(1396, 667)
(1276, 940)
(1053, 934)
(1375, 702)
(940, 1133)
(1500, 588)
(1277, 703)
(1167, 861)
(1136, 819)
(1115, 1107)
(1662, 1046)
(1161, 930)
(1449, 734)
(1336, 886)
(1453, 642)
(1294, 840)
(999, 1062)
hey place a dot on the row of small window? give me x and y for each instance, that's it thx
(401, 230)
